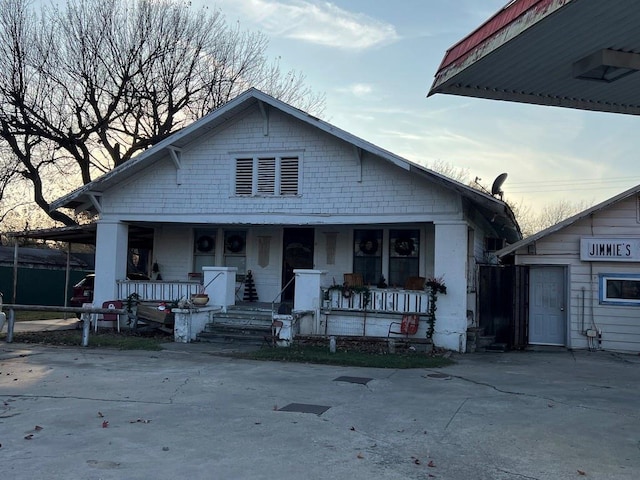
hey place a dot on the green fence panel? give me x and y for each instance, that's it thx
(38, 286)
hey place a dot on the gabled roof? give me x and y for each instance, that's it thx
(569, 221)
(81, 198)
(582, 54)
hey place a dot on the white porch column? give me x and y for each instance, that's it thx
(450, 263)
(112, 244)
(220, 285)
(308, 298)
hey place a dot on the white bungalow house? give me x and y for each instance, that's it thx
(258, 185)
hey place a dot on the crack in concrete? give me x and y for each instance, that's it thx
(178, 389)
(540, 397)
(455, 413)
(519, 475)
(92, 399)
(508, 392)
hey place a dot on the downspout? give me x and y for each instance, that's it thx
(582, 330)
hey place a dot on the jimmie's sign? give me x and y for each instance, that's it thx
(610, 249)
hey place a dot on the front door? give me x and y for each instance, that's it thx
(297, 244)
(547, 313)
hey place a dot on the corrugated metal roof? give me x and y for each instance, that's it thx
(42, 257)
(527, 52)
(140, 236)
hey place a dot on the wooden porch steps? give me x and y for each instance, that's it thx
(240, 324)
(477, 341)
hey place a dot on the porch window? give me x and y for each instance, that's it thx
(621, 289)
(367, 255)
(235, 250)
(204, 249)
(267, 176)
(404, 256)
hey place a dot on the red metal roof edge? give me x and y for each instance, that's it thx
(500, 20)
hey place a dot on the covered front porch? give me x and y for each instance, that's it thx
(316, 310)
(187, 257)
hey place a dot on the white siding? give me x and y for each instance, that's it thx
(333, 183)
(620, 325)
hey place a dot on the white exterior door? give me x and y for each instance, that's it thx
(547, 312)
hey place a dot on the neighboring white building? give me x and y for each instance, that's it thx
(584, 277)
(259, 185)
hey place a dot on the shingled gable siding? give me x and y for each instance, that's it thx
(330, 178)
(620, 324)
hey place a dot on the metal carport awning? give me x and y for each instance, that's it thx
(139, 237)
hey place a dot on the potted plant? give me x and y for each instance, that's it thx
(202, 298)
(199, 299)
(434, 286)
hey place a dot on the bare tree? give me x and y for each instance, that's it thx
(85, 88)
(9, 167)
(550, 214)
(459, 174)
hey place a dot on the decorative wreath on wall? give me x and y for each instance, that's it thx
(204, 243)
(404, 246)
(369, 246)
(235, 243)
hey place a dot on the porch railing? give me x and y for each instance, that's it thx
(157, 291)
(382, 300)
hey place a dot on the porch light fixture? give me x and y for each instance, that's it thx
(606, 65)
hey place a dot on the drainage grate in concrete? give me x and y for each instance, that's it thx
(304, 408)
(360, 380)
(439, 376)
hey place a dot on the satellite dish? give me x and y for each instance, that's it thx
(496, 188)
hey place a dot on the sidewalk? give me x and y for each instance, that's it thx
(70, 323)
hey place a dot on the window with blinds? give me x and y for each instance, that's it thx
(267, 176)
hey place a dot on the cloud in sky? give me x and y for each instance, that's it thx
(357, 89)
(321, 23)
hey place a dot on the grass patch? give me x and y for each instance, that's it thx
(321, 355)
(300, 353)
(73, 338)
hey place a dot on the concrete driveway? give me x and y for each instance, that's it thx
(186, 412)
